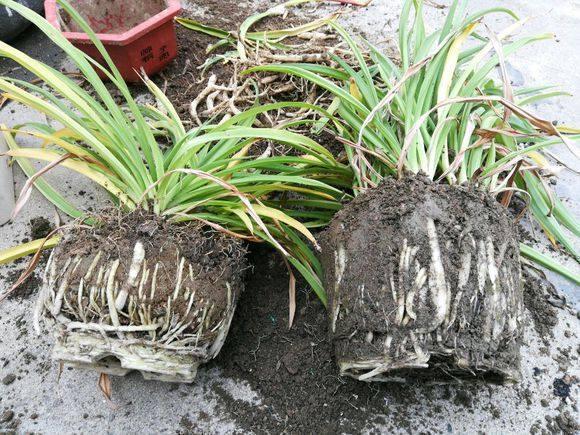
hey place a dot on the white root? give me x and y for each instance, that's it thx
(92, 266)
(495, 309)
(154, 282)
(369, 337)
(420, 280)
(437, 282)
(462, 280)
(422, 356)
(179, 279)
(339, 267)
(57, 304)
(48, 281)
(134, 269)
(387, 344)
(144, 278)
(400, 294)
(110, 293)
(71, 326)
(80, 299)
(204, 93)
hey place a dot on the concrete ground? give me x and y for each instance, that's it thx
(40, 399)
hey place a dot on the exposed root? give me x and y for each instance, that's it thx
(435, 293)
(158, 296)
(424, 307)
(220, 101)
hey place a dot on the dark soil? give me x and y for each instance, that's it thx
(29, 287)
(537, 293)
(40, 228)
(469, 332)
(293, 370)
(295, 373)
(211, 258)
(183, 80)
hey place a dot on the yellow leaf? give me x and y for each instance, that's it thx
(245, 218)
(451, 63)
(539, 159)
(279, 187)
(14, 253)
(568, 130)
(272, 213)
(75, 165)
(53, 139)
(354, 90)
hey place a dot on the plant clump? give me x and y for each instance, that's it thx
(427, 274)
(162, 275)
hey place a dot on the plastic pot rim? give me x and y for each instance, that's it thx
(173, 8)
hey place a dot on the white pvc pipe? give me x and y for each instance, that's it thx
(6, 186)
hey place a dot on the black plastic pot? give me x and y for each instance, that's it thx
(11, 23)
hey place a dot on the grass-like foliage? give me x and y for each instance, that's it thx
(204, 174)
(440, 113)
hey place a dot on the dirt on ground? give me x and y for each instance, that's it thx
(40, 228)
(182, 80)
(540, 298)
(295, 374)
(293, 370)
(111, 16)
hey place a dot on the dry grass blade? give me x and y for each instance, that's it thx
(509, 192)
(376, 154)
(541, 124)
(481, 142)
(27, 189)
(291, 294)
(222, 229)
(508, 92)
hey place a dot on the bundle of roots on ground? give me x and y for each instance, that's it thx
(424, 280)
(222, 100)
(139, 293)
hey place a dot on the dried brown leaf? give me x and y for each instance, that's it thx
(106, 386)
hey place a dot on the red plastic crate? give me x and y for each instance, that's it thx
(149, 43)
